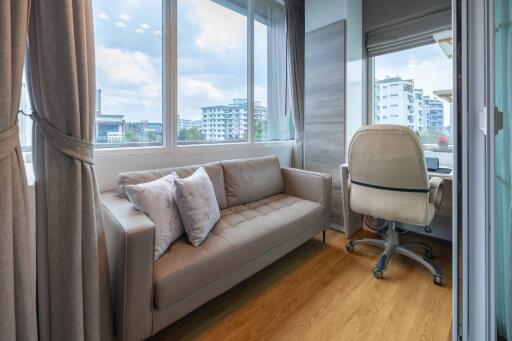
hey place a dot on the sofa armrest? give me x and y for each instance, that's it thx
(311, 186)
(130, 240)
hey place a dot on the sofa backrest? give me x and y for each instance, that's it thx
(214, 170)
(248, 180)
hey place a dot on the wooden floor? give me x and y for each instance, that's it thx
(320, 292)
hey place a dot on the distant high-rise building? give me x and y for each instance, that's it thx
(397, 101)
(434, 112)
(98, 101)
(189, 124)
(229, 122)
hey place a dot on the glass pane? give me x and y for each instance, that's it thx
(272, 120)
(128, 38)
(25, 126)
(414, 88)
(212, 72)
(503, 169)
(24, 122)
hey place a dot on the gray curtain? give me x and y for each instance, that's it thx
(72, 269)
(295, 37)
(17, 275)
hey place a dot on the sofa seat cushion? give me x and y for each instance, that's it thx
(243, 233)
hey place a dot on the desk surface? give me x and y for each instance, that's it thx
(444, 176)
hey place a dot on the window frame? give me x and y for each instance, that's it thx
(170, 95)
(429, 148)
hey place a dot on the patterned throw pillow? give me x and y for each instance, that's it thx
(156, 200)
(197, 204)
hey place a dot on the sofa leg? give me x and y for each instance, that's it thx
(323, 236)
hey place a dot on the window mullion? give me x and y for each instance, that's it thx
(250, 71)
(171, 73)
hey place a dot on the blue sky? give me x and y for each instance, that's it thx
(212, 62)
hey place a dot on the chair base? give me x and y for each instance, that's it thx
(391, 245)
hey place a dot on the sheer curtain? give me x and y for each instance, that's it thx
(503, 176)
(278, 116)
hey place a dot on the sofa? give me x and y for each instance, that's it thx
(266, 212)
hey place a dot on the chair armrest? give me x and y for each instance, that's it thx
(435, 195)
(311, 186)
(130, 240)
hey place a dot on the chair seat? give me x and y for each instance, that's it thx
(243, 233)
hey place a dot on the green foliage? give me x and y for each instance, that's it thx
(131, 136)
(430, 135)
(190, 135)
(260, 129)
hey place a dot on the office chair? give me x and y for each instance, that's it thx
(389, 180)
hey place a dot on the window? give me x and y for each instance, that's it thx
(24, 121)
(217, 90)
(212, 100)
(128, 73)
(424, 98)
(213, 97)
(25, 127)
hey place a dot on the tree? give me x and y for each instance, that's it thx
(131, 136)
(183, 135)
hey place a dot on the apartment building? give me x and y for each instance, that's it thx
(229, 122)
(397, 101)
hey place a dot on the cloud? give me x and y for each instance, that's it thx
(125, 17)
(131, 83)
(145, 26)
(120, 24)
(157, 32)
(102, 16)
(220, 28)
(139, 30)
(190, 86)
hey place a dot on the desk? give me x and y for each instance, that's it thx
(441, 224)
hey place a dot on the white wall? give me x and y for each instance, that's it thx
(323, 12)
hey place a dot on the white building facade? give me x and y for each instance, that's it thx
(397, 101)
(229, 122)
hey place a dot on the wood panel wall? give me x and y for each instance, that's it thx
(325, 74)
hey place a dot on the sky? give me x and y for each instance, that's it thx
(212, 57)
(427, 65)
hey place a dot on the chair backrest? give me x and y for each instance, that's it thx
(388, 174)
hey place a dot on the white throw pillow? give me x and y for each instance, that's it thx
(197, 204)
(156, 200)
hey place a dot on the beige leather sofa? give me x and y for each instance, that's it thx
(266, 211)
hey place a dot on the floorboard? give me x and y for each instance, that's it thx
(321, 292)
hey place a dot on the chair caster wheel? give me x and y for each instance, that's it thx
(430, 254)
(378, 273)
(438, 280)
(349, 246)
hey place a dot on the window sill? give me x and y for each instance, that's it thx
(199, 148)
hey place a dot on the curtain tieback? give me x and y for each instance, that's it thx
(71, 146)
(9, 140)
